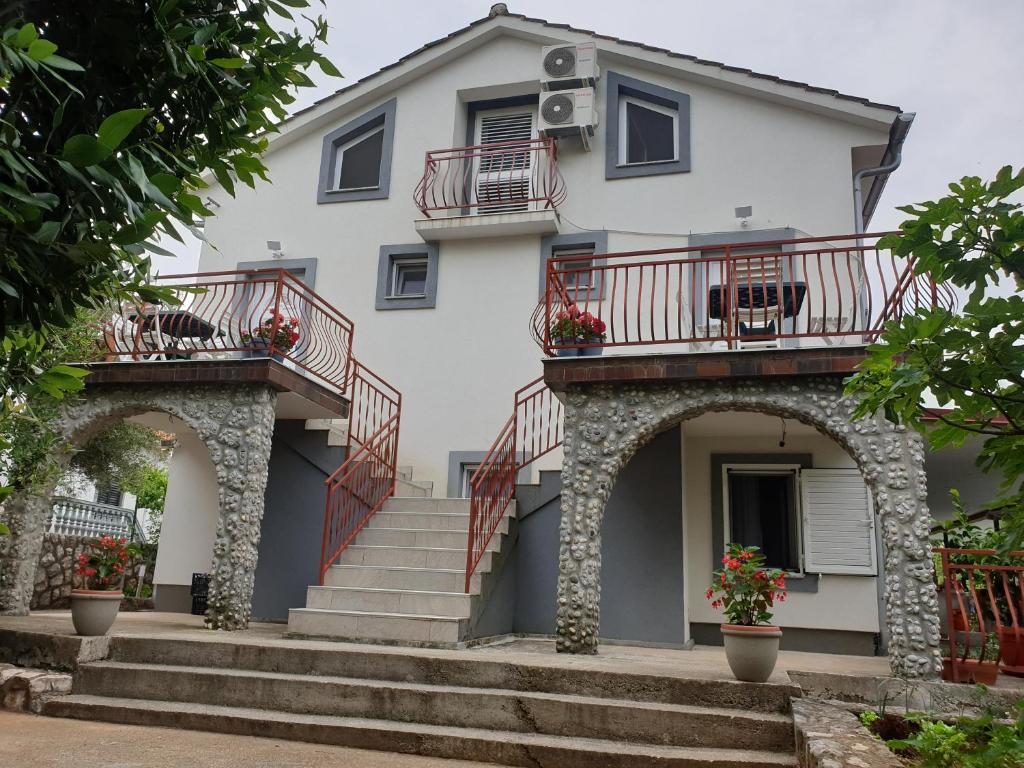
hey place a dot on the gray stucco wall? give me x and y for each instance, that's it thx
(293, 518)
(642, 554)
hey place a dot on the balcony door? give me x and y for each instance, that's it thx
(503, 177)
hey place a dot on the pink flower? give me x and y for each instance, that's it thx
(710, 592)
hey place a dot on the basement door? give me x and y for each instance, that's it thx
(504, 172)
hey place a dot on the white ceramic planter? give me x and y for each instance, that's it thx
(751, 651)
(93, 611)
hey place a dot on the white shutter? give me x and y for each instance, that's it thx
(839, 523)
(504, 177)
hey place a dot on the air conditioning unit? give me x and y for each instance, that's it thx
(564, 66)
(568, 113)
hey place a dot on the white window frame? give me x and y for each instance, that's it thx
(407, 261)
(339, 158)
(576, 250)
(466, 471)
(767, 469)
(624, 129)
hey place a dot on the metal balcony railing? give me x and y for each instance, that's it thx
(809, 291)
(505, 177)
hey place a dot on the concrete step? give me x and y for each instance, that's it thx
(376, 626)
(427, 521)
(410, 557)
(414, 489)
(496, 709)
(395, 577)
(405, 504)
(503, 747)
(454, 604)
(487, 670)
(375, 536)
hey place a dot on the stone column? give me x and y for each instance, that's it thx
(605, 424)
(25, 513)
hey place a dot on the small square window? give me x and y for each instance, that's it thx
(358, 162)
(648, 133)
(578, 272)
(408, 277)
(355, 162)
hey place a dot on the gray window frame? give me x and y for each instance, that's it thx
(457, 461)
(598, 239)
(389, 254)
(365, 123)
(308, 267)
(619, 85)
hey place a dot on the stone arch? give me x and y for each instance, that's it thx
(606, 424)
(236, 423)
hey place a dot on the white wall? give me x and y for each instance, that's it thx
(842, 602)
(459, 364)
(190, 511)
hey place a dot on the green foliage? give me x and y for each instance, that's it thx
(868, 717)
(971, 360)
(119, 454)
(149, 487)
(744, 588)
(982, 742)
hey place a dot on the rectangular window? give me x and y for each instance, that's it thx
(465, 475)
(358, 162)
(577, 274)
(409, 277)
(762, 511)
(648, 132)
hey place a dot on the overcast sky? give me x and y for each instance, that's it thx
(959, 65)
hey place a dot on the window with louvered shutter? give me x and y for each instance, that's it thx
(504, 175)
(839, 522)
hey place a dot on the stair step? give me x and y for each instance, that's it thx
(411, 557)
(376, 625)
(427, 521)
(441, 704)
(413, 489)
(504, 747)
(397, 577)
(417, 537)
(454, 604)
(406, 504)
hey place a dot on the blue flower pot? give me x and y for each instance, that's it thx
(258, 348)
(590, 351)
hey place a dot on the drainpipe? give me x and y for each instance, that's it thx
(897, 135)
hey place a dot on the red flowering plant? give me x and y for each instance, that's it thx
(102, 565)
(571, 326)
(745, 588)
(283, 338)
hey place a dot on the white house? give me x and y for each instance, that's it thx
(703, 212)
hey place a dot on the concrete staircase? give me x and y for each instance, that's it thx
(402, 579)
(468, 705)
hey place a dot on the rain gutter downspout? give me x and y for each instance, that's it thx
(897, 135)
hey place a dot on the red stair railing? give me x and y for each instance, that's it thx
(533, 430)
(983, 592)
(366, 479)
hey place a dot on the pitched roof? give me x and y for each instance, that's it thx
(609, 38)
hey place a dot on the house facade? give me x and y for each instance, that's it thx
(710, 217)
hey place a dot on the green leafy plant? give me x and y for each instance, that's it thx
(573, 326)
(971, 360)
(744, 588)
(102, 566)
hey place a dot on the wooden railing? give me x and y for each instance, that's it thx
(818, 290)
(361, 485)
(983, 596)
(533, 430)
(75, 517)
(253, 313)
(505, 177)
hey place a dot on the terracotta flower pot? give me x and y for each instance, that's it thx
(971, 671)
(1011, 649)
(751, 650)
(93, 611)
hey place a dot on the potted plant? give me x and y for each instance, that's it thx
(747, 591)
(101, 571)
(263, 336)
(572, 328)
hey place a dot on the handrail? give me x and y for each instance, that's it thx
(817, 289)
(984, 597)
(533, 430)
(366, 479)
(503, 177)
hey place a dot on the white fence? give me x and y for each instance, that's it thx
(74, 517)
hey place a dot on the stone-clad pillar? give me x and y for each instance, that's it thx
(235, 421)
(606, 424)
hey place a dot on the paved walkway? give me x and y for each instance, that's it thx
(30, 741)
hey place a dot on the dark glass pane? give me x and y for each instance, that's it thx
(650, 135)
(411, 280)
(762, 514)
(360, 163)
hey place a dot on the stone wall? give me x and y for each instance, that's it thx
(55, 572)
(828, 736)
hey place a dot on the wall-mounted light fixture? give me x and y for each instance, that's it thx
(743, 213)
(274, 246)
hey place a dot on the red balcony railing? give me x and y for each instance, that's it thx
(506, 177)
(533, 430)
(815, 289)
(983, 596)
(256, 313)
(360, 486)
